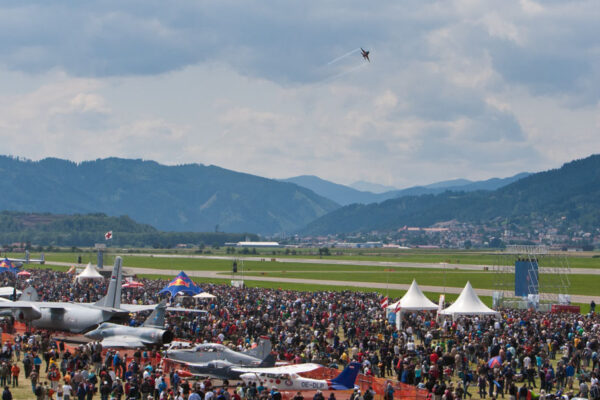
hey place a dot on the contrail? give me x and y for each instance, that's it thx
(343, 56)
(346, 72)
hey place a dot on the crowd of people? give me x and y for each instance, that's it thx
(520, 355)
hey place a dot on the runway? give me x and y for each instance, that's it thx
(353, 284)
(388, 264)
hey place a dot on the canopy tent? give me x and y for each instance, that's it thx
(24, 273)
(132, 284)
(181, 284)
(90, 272)
(413, 300)
(468, 303)
(205, 295)
(8, 266)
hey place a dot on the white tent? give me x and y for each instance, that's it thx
(414, 300)
(90, 272)
(204, 295)
(468, 303)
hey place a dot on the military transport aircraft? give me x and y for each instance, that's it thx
(282, 378)
(151, 333)
(77, 317)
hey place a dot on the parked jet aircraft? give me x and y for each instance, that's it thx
(220, 362)
(77, 317)
(151, 333)
(272, 377)
(208, 352)
(28, 259)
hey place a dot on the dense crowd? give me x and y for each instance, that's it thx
(522, 355)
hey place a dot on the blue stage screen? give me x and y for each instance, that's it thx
(526, 278)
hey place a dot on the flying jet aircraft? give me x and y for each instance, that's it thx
(273, 377)
(151, 333)
(365, 54)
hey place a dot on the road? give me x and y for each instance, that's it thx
(371, 285)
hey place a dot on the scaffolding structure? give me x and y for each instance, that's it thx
(551, 280)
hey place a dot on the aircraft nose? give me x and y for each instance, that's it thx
(94, 334)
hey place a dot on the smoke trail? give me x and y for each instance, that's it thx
(343, 56)
(346, 72)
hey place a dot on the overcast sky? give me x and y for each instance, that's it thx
(455, 89)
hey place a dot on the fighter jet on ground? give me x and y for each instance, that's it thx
(77, 317)
(274, 377)
(220, 362)
(28, 259)
(151, 333)
(365, 54)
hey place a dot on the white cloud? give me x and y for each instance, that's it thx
(455, 88)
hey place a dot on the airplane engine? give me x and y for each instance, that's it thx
(167, 337)
(27, 314)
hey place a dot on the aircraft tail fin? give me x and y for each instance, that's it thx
(345, 380)
(157, 318)
(42, 259)
(27, 256)
(29, 294)
(262, 350)
(268, 361)
(113, 294)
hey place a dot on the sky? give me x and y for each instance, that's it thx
(455, 89)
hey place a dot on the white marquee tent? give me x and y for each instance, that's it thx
(414, 300)
(468, 303)
(90, 272)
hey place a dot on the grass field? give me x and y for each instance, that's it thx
(579, 260)
(580, 284)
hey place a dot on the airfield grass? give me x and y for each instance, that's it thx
(579, 260)
(580, 284)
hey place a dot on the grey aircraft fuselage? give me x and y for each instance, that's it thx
(209, 352)
(128, 336)
(75, 317)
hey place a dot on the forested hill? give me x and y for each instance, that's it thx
(86, 230)
(190, 197)
(570, 193)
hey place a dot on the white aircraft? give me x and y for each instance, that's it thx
(283, 379)
(28, 259)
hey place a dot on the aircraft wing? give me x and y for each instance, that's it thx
(146, 307)
(29, 310)
(285, 369)
(124, 341)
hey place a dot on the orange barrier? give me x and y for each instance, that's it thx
(378, 385)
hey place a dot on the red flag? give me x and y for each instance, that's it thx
(384, 302)
(108, 235)
(398, 307)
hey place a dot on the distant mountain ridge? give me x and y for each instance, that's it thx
(345, 195)
(191, 197)
(570, 193)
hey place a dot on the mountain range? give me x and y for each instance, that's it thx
(345, 195)
(191, 197)
(570, 193)
(199, 198)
